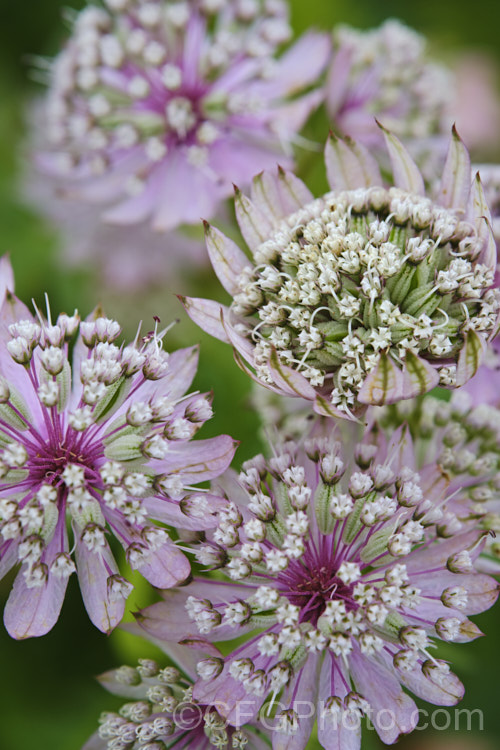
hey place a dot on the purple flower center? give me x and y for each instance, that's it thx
(46, 466)
(311, 588)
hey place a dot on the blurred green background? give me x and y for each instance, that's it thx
(48, 698)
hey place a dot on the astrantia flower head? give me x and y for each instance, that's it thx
(367, 295)
(100, 439)
(338, 581)
(155, 108)
(458, 448)
(385, 73)
(161, 712)
(111, 249)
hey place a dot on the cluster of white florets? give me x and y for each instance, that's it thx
(357, 274)
(463, 442)
(126, 83)
(150, 723)
(318, 567)
(66, 459)
(410, 94)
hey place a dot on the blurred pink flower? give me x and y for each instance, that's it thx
(126, 257)
(385, 73)
(155, 109)
(484, 386)
(477, 101)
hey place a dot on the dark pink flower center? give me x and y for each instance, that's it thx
(46, 465)
(312, 589)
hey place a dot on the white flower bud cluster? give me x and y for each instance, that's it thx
(411, 96)
(120, 83)
(150, 722)
(360, 274)
(462, 442)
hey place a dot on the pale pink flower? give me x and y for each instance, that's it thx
(154, 109)
(457, 450)
(386, 73)
(96, 438)
(125, 257)
(336, 579)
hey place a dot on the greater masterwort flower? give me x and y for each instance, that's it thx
(367, 295)
(156, 107)
(338, 581)
(457, 446)
(162, 714)
(97, 434)
(386, 73)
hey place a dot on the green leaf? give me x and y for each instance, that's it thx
(7, 414)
